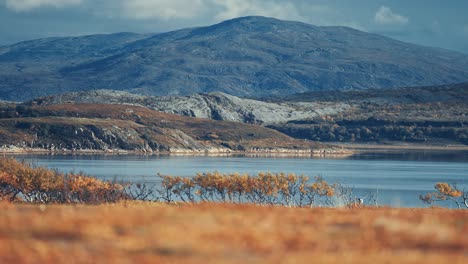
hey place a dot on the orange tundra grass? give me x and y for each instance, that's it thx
(146, 232)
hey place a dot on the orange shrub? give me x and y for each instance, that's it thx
(21, 181)
(263, 188)
(445, 192)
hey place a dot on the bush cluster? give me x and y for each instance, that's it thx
(446, 192)
(264, 188)
(20, 181)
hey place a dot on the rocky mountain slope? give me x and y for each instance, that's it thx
(124, 127)
(250, 56)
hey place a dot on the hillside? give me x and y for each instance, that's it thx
(426, 115)
(249, 56)
(455, 93)
(124, 127)
(433, 115)
(217, 106)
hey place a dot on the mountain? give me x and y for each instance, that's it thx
(249, 56)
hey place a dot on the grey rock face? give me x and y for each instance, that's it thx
(251, 56)
(217, 106)
(220, 106)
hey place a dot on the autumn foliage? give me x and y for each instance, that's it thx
(445, 192)
(264, 188)
(20, 181)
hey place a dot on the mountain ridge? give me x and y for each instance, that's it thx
(249, 56)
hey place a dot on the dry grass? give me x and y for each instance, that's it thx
(222, 233)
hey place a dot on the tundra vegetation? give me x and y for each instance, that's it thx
(21, 182)
(145, 232)
(265, 188)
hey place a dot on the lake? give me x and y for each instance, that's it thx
(397, 178)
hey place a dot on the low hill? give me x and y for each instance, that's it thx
(434, 115)
(425, 115)
(125, 127)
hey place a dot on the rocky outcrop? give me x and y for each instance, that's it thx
(217, 106)
(220, 106)
(100, 127)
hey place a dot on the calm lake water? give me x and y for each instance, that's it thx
(398, 178)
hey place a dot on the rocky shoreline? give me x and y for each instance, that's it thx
(183, 151)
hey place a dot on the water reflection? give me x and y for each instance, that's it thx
(431, 156)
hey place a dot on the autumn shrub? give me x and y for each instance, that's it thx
(263, 188)
(446, 192)
(85, 189)
(19, 181)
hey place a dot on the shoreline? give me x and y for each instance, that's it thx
(329, 152)
(337, 149)
(398, 147)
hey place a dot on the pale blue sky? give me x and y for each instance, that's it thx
(427, 22)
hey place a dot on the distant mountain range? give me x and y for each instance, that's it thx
(249, 56)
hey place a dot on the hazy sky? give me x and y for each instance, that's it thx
(427, 22)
